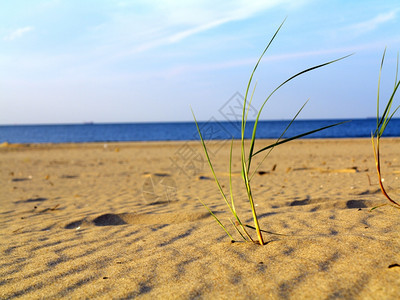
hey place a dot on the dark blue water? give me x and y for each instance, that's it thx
(78, 133)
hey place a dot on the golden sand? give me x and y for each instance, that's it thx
(123, 220)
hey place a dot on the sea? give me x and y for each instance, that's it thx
(185, 131)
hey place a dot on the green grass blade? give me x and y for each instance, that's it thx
(253, 137)
(246, 180)
(213, 172)
(256, 66)
(249, 105)
(391, 116)
(297, 137)
(378, 120)
(396, 86)
(397, 69)
(218, 221)
(246, 158)
(380, 205)
(244, 121)
(209, 161)
(253, 209)
(248, 87)
(383, 121)
(291, 122)
(230, 177)
(237, 229)
(280, 137)
(385, 117)
(269, 232)
(379, 87)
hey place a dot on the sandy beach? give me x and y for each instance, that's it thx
(124, 220)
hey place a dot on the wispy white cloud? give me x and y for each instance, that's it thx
(373, 23)
(177, 36)
(249, 61)
(192, 31)
(18, 33)
(185, 21)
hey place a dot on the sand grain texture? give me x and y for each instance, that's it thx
(123, 221)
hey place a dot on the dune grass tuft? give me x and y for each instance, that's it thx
(247, 155)
(381, 124)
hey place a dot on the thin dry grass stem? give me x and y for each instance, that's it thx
(378, 169)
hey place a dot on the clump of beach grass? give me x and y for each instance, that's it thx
(381, 124)
(247, 155)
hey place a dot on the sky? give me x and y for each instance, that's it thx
(74, 61)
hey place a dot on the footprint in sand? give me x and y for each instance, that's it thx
(20, 179)
(37, 199)
(138, 219)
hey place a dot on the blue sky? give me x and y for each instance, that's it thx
(69, 61)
